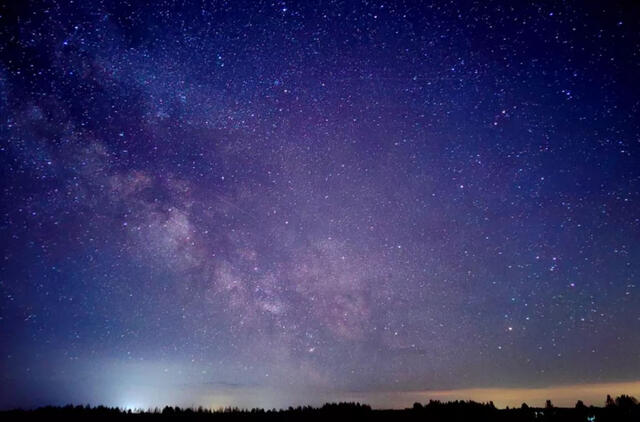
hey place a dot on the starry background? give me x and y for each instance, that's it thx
(271, 203)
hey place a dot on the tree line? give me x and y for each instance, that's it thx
(621, 409)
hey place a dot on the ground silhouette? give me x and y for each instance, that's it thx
(621, 409)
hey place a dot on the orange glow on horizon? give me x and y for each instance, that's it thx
(560, 396)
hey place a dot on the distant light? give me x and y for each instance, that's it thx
(134, 407)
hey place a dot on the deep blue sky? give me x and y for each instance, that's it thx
(268, 203)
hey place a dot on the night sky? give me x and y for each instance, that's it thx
(271, 203)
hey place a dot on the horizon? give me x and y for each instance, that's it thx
(267, 204)
(561, 396)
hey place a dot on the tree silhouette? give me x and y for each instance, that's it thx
(626, 402)
(609, 402)
(622, 409)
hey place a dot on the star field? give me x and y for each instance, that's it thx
(266, 203)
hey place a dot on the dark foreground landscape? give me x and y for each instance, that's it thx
(623, 408)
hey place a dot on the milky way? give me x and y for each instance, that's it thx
(270, 203)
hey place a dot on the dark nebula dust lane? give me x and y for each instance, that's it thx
(271, 203)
